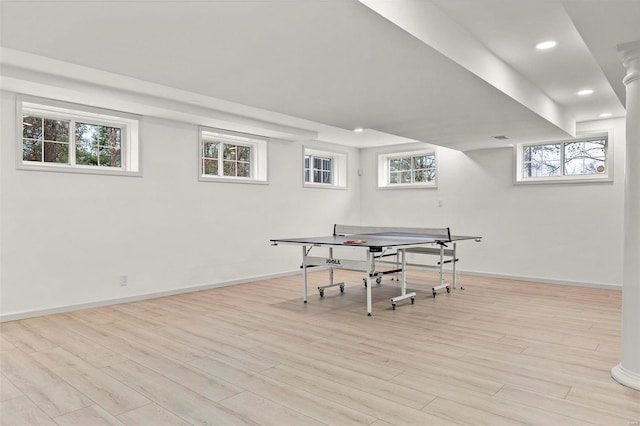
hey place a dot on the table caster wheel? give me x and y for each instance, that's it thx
(448, 290)
(378, 280)
(341, 289)
(434, 293)
(413, 299)
(321, 293)
(393, 306)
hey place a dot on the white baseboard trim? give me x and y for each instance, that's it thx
(68, 308)
(606, 286)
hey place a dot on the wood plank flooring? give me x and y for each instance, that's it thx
(499, 352)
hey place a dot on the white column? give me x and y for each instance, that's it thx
(628, 371)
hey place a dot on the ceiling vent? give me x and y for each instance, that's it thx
(501, 137)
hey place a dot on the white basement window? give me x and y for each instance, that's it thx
(227, 156)
(582, 159)
(62, 137)
(324, 169)
(416, 169)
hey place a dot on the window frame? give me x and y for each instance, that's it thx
(338, 167)
(311, 170)
(606, 176)
(384, 169)
(257, 158)
(130, 137)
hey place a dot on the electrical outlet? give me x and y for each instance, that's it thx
(124, 280)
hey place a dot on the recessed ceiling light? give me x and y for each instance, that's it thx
(585, 92)
(605, 114)
(544, 45)
(358, 130)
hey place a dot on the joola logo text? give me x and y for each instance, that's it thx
(333, 261)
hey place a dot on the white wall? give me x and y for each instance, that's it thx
(67, 238)
(557, 232)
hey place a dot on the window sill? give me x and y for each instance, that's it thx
(79, 170)
(408, 186)
(322, 186)
(229, 179)
(563, 180)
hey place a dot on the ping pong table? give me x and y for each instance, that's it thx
(378, 243)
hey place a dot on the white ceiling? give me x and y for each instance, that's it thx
(330, 66)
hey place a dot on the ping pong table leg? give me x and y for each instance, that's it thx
(331, 269)
(322, 288)
(441, 264)
(403, 276)
(369, 274)
(441, 267)
(304, 273)
(453, 267)
(403, 285)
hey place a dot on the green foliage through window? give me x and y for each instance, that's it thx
(415, 169)
(49, 140)
(235, 159)
(45, 140)
(98, 145)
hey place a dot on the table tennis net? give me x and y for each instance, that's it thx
(443, 234)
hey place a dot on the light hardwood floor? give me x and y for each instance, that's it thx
(499, 352)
